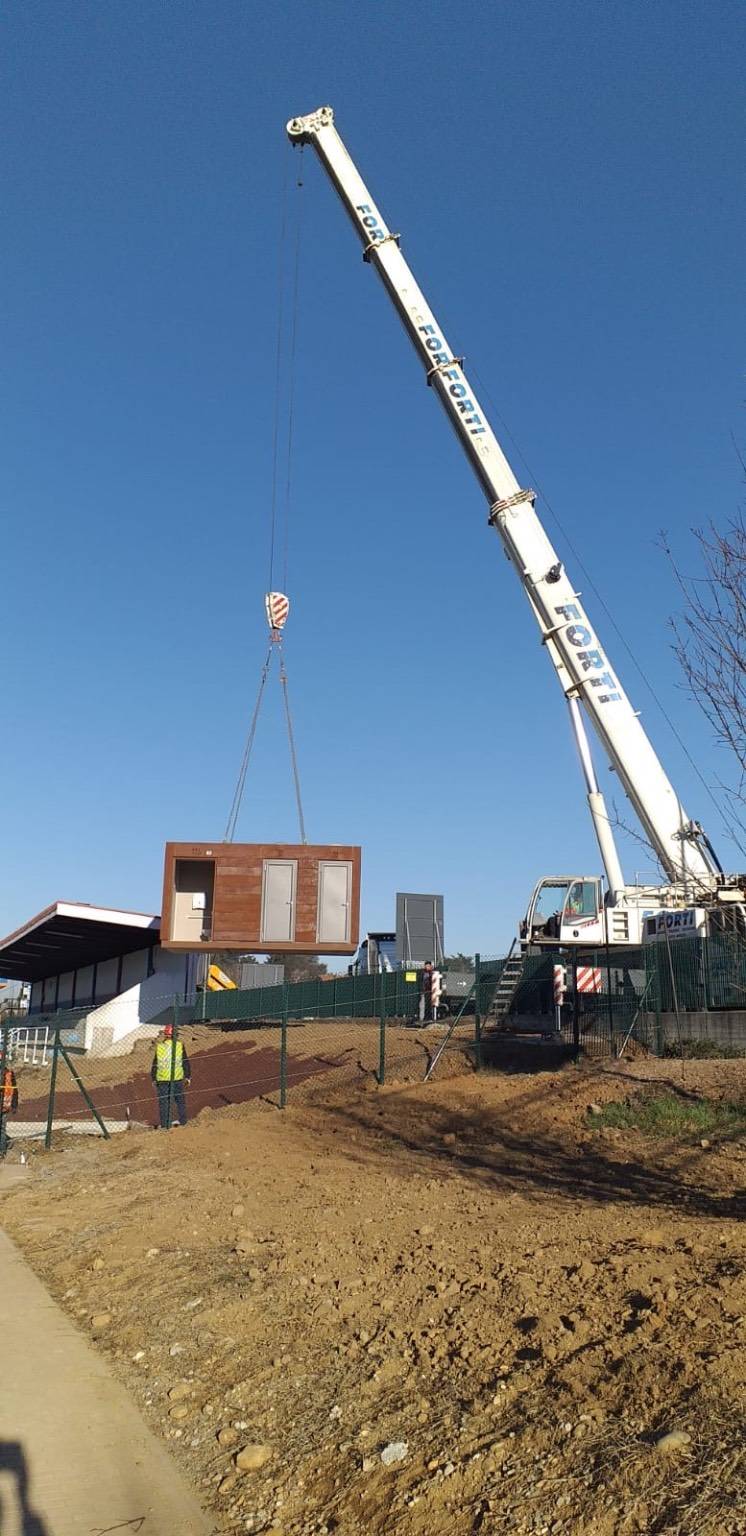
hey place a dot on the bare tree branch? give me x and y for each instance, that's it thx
(710, 647)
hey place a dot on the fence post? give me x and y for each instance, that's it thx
(3, 1065)
(284, 1047)
(52, 1084)
(610, 1002)
(477, 1014)
(172, 1071)
(381, 1035)
(575, 1008)
(654, 951)
(74, 1073)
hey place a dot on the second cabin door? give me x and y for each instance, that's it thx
(335, 887)
(279, 878)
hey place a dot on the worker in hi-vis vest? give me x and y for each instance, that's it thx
(171, 1074)
(9, 1105)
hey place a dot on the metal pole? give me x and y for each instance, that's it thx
(653, 951)
(575, 1008)
(559, 993)
(477, 1015)
(172, 1073)
(52, 1085)
(284, 1048)
(447, 1036)
(205, 974)
(89, 1101)
(610, 1004)
(3, 1066)
(381, 1035)
(675, 996)
(704, 948)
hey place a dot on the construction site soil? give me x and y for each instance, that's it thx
(424, 1309)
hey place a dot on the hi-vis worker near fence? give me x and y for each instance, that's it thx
(9, 1106)
(171, 1074)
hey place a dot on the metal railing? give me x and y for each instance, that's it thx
(30, 1044)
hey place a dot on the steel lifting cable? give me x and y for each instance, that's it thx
(230, 830)
(278, 376)
(272, 599)
(291, 739)
(291, 374)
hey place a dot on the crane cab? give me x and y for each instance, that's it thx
(565, 909)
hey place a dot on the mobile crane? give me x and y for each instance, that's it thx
(574, 909)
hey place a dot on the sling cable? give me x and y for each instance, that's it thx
(276, 604)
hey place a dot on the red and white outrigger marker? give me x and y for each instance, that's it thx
(589, 978)
(277, 608)
(559, 978)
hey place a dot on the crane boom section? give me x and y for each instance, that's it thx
(577, 654)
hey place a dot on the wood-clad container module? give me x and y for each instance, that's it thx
(261, 896)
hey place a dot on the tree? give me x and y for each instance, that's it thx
(710, 646)
(458, 962)
(297, 967)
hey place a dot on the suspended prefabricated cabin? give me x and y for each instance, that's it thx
(302, 897)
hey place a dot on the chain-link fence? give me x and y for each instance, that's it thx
(75, 1071)
(105, 1070)
(668, 996)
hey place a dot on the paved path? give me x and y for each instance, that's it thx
(76, 1459)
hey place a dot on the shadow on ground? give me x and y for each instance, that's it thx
(16, 1513)
(505, 1147)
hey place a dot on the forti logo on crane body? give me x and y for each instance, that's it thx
(369, 221)
(591, 660)
(457, 389)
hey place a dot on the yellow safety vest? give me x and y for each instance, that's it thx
(163, 1068)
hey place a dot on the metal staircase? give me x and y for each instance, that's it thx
(506, 986)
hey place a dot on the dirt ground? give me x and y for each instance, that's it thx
(512, 1307)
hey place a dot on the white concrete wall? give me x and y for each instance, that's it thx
(134, 969)
(106, 978)
(144, 999)
(84, 986)
(66, 990)
(141, 998)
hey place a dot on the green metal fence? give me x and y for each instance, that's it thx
(639, 990)
(348, 997)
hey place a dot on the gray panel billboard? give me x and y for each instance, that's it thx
(419, 929)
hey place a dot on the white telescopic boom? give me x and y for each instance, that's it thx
(579, 658)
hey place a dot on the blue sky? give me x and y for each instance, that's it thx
(568, 181)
